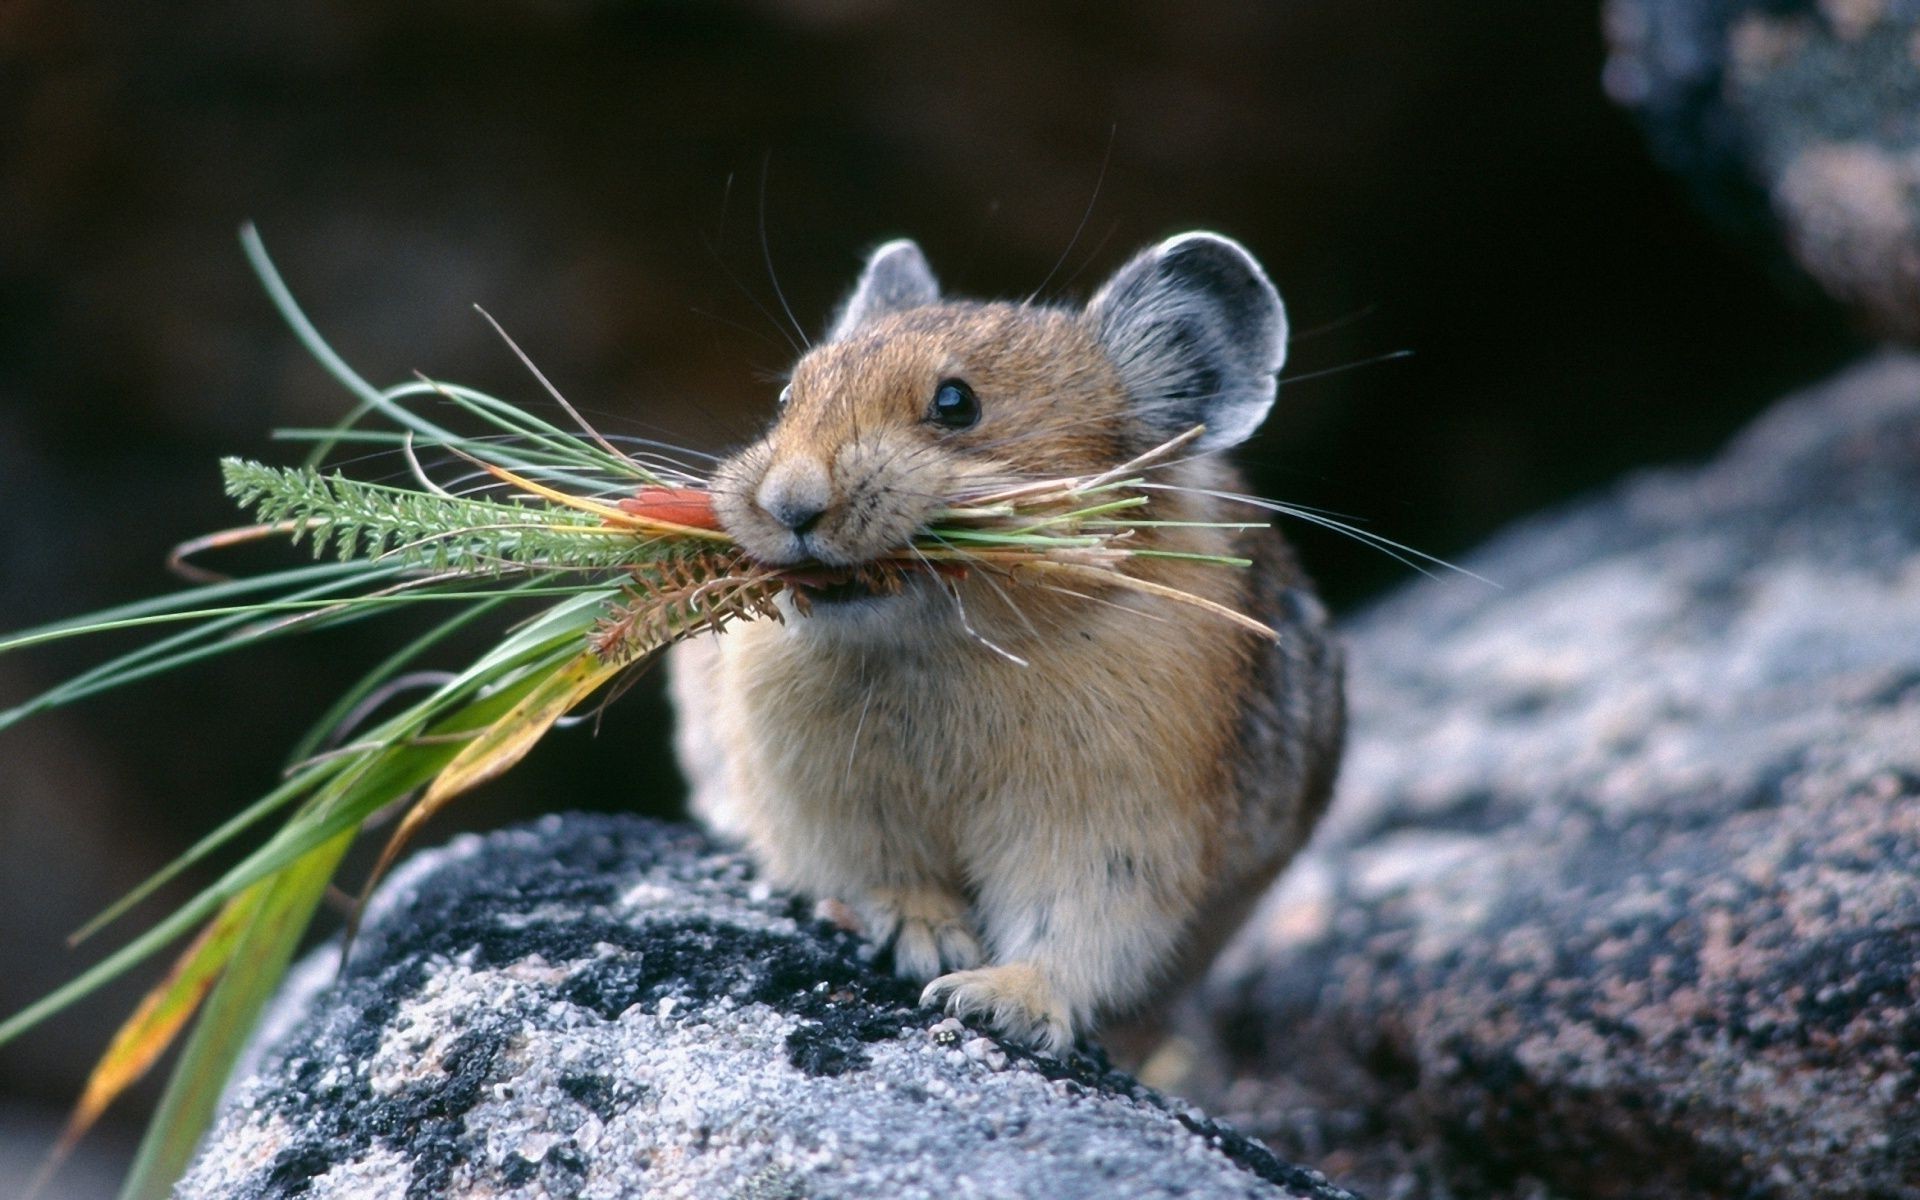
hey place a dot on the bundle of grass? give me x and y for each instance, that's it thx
(619, 549)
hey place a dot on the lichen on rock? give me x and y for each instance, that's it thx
(607, 1007)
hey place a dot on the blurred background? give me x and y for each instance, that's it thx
(631, 188)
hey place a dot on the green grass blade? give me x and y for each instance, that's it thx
(257, 609)
(345, 793)
(162, 934)
(182, 648)
(572, 617)
(186, 599)
(257, 961)
(290, 312)
(294, 889)
(528, 429)
(275, 800)
(387, 401)
(391, 774)
(388, 669)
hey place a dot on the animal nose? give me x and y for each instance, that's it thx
(796, 494)
(798, 516)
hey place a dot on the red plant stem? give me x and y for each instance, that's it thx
(691, 507)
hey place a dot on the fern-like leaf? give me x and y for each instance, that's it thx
(353, 519)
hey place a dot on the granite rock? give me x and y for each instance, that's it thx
(608, 1007)
(1620, 895)
(1794, 115)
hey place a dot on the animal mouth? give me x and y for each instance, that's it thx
(830, 586)
(813, 583)
(839, 591)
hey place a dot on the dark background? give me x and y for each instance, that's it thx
(612, 180)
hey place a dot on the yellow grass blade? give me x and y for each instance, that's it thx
(617, 517)
(507, 740)
(145, 1035)
(280, 914)
(500, 745)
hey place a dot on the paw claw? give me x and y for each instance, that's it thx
(1014, 999)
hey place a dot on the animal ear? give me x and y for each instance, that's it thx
(1198, 335)
(895, 279)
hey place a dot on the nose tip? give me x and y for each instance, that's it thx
(796, 494)
(797, 515)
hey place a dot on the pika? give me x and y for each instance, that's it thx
(1052, 807)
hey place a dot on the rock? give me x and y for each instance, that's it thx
(1807, 111)
(606, 1007)
(1620, 894)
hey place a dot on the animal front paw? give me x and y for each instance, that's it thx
(1014, 998)
(929, 929)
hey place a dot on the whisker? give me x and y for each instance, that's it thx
(1129, 609)
(1385, 545)
(1106, 158)
(853, 747)
(714, 253)
(960, 607)
(742, 326)
(1325, 327)
(766, 250)
(1093, 255)
(987, 578)
(1389, 356)
(642, 441)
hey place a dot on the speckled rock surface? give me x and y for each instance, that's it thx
(1620, 896)
(1807, 110)
(606, 1007)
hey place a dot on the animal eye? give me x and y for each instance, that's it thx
(954, 405)
(786, 394)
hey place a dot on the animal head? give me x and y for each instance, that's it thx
(913, 400)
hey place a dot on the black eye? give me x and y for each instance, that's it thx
(954, 405)
(786, 394)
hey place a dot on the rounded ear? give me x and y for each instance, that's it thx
(895, 279)
(1198, 335)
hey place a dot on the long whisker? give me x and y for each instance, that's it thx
(1113, 131)
(1377, 359)
(1130, 609)
(960, 607)
(853, 747)
(987, 578)
(1325, 327)
(1385, 545)
(733, 278)
(742, 326)
(766, 251)
(641, 441)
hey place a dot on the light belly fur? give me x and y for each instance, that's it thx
(1072, 801)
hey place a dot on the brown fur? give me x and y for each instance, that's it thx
(1050, 844)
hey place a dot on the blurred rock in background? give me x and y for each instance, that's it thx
(1618, 897)
(620, 184)
(1619, 894)
(1793, 119)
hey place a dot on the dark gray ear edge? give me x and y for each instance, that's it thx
(896, 278)
(1198, 334)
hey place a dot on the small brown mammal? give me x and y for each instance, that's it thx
(1053, 807)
